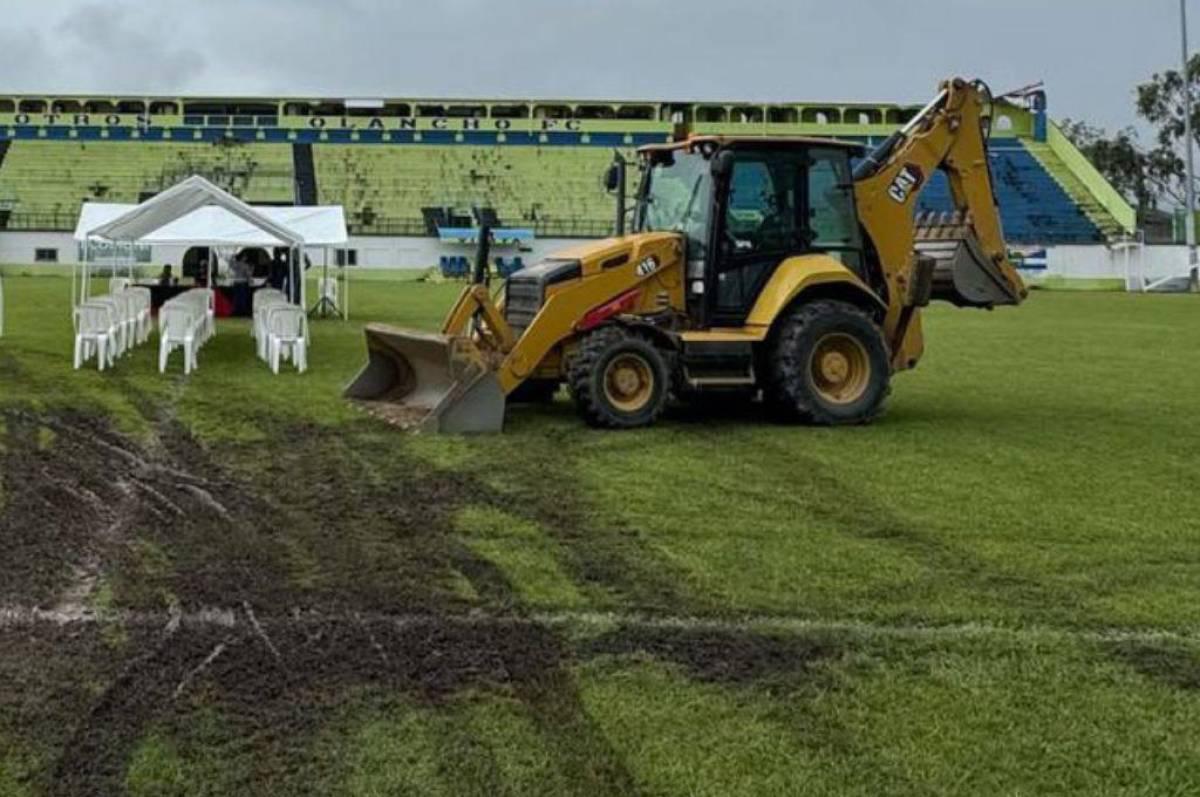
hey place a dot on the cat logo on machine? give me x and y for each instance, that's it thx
(647, 266)
(908, 180)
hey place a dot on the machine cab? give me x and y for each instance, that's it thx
(744, 205)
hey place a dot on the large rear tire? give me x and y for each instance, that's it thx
(618, 379)
(828, 364)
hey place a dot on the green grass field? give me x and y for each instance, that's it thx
(236, 583)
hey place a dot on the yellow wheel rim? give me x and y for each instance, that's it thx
(628, 382)
(841, 369)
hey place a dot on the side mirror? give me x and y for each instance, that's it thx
(612, 178)
(722, 165)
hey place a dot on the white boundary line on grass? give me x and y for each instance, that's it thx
(22, 616)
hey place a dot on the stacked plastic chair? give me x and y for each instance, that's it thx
(186, 322)
(280, 330)
(287, 337)
(107, 327)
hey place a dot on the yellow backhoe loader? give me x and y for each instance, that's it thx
(755, 265)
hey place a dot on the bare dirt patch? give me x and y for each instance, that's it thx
(68, 497)
(279, 680)
(304, 549)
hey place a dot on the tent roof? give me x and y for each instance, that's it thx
(197, 212)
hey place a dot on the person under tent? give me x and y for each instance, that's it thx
(239, 289)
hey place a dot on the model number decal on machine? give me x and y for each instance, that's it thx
(908, 180)
(647, 267)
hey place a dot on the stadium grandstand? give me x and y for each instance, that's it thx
(408, 167)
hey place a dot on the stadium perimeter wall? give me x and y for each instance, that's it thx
(378, 252)
(1084, 267)
(1088, 264)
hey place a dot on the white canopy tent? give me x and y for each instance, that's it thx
(197, 213)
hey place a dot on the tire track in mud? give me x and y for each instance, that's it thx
(226, 539)
(279, 678)
(279, 681)
(278, 669)
(66, 505)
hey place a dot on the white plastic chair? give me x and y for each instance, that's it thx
(262, 297)
(200, 301)
(259, 298)
(118, 284)
(131, 310)
(95, 332)
(180, 326)
(117, 322)
(262, 328)
(210, 311)
(288, 336)
(144, 307)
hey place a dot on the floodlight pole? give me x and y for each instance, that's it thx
(1190, 188)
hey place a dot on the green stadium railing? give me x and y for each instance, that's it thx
(385, 226)
(38, 222)
(1103, 192)
(560, 228)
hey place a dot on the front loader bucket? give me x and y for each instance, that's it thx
(963, 274)
(428, 382)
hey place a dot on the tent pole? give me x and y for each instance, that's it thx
(300, 276)
(324, 277)
(85, 280)
(75, 273)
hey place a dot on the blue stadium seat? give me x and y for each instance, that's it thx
(1034, 208)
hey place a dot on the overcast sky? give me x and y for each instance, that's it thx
(1090, 53)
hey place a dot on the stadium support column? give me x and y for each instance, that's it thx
(1190, 188)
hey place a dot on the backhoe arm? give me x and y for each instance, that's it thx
(960, 257)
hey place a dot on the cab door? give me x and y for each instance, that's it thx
(830, 212)
(758, 227)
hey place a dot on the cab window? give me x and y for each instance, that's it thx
(761, 214)
(832, 218)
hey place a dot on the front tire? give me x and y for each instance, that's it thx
(828, 365)
(618, 379)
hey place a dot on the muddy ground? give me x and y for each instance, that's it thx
(146, 583)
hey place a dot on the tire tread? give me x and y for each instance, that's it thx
(787, 389)
(582, 381)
